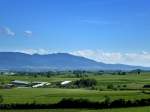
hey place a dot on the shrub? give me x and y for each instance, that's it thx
(110, 86)
(124, 86)
(85, 83)
(1, 99)
(107, 99)
(146, 86)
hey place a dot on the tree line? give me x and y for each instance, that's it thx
(80, 103)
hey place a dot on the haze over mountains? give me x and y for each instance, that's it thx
(58, 61)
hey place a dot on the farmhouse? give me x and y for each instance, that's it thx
(65, 82)
(20, 83)
(39, 84)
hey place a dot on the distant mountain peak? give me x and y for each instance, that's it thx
(55, 61)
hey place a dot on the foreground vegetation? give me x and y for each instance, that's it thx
(79, 103)
(105, 81)
(135, 109)
(92, 86)
(53, 95)
(114, 85)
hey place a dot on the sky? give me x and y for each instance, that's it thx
(110, 31)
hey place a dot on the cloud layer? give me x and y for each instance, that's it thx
(35, 51)
(142, 58)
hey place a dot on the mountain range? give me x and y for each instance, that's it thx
(57, 61)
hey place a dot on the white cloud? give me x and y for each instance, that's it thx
(34, 51)
(142, 58)
(6, 31)
(28, 33)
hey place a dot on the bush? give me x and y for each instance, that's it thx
(1, 99)
(110, 86)
(85, 83)
(107, 99)
(146, 86)
(80, 103)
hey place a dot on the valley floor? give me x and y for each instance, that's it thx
(54, 95)
(127, 87)
(134, 109)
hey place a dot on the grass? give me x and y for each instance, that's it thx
(135, 109)
(130, 79)
(53, 95)
(133, 82)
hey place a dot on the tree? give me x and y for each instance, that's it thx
(1, 99)
(35, 76)
(107, 99)
(85, 82)
(138, 71)
(48, 75)
(110, 86)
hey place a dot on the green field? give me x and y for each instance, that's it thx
(133, 81)
(132, 91)
(52, 95)
(137, 109)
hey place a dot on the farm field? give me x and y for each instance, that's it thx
(132, 80)
(131, 91)
(135, 109)
(53, 95)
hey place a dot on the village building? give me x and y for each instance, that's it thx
(39, 84)
(65, 82)
(20, 83)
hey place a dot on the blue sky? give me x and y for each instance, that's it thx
(90, 28)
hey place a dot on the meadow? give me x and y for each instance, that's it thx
(128, 87)
(132, 90)
(131, 80)
(134, 109)
(54, 95)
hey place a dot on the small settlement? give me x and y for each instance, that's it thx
(34, 84)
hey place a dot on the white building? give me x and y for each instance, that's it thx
(65, 82)
(20, 83)
(39, 84)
